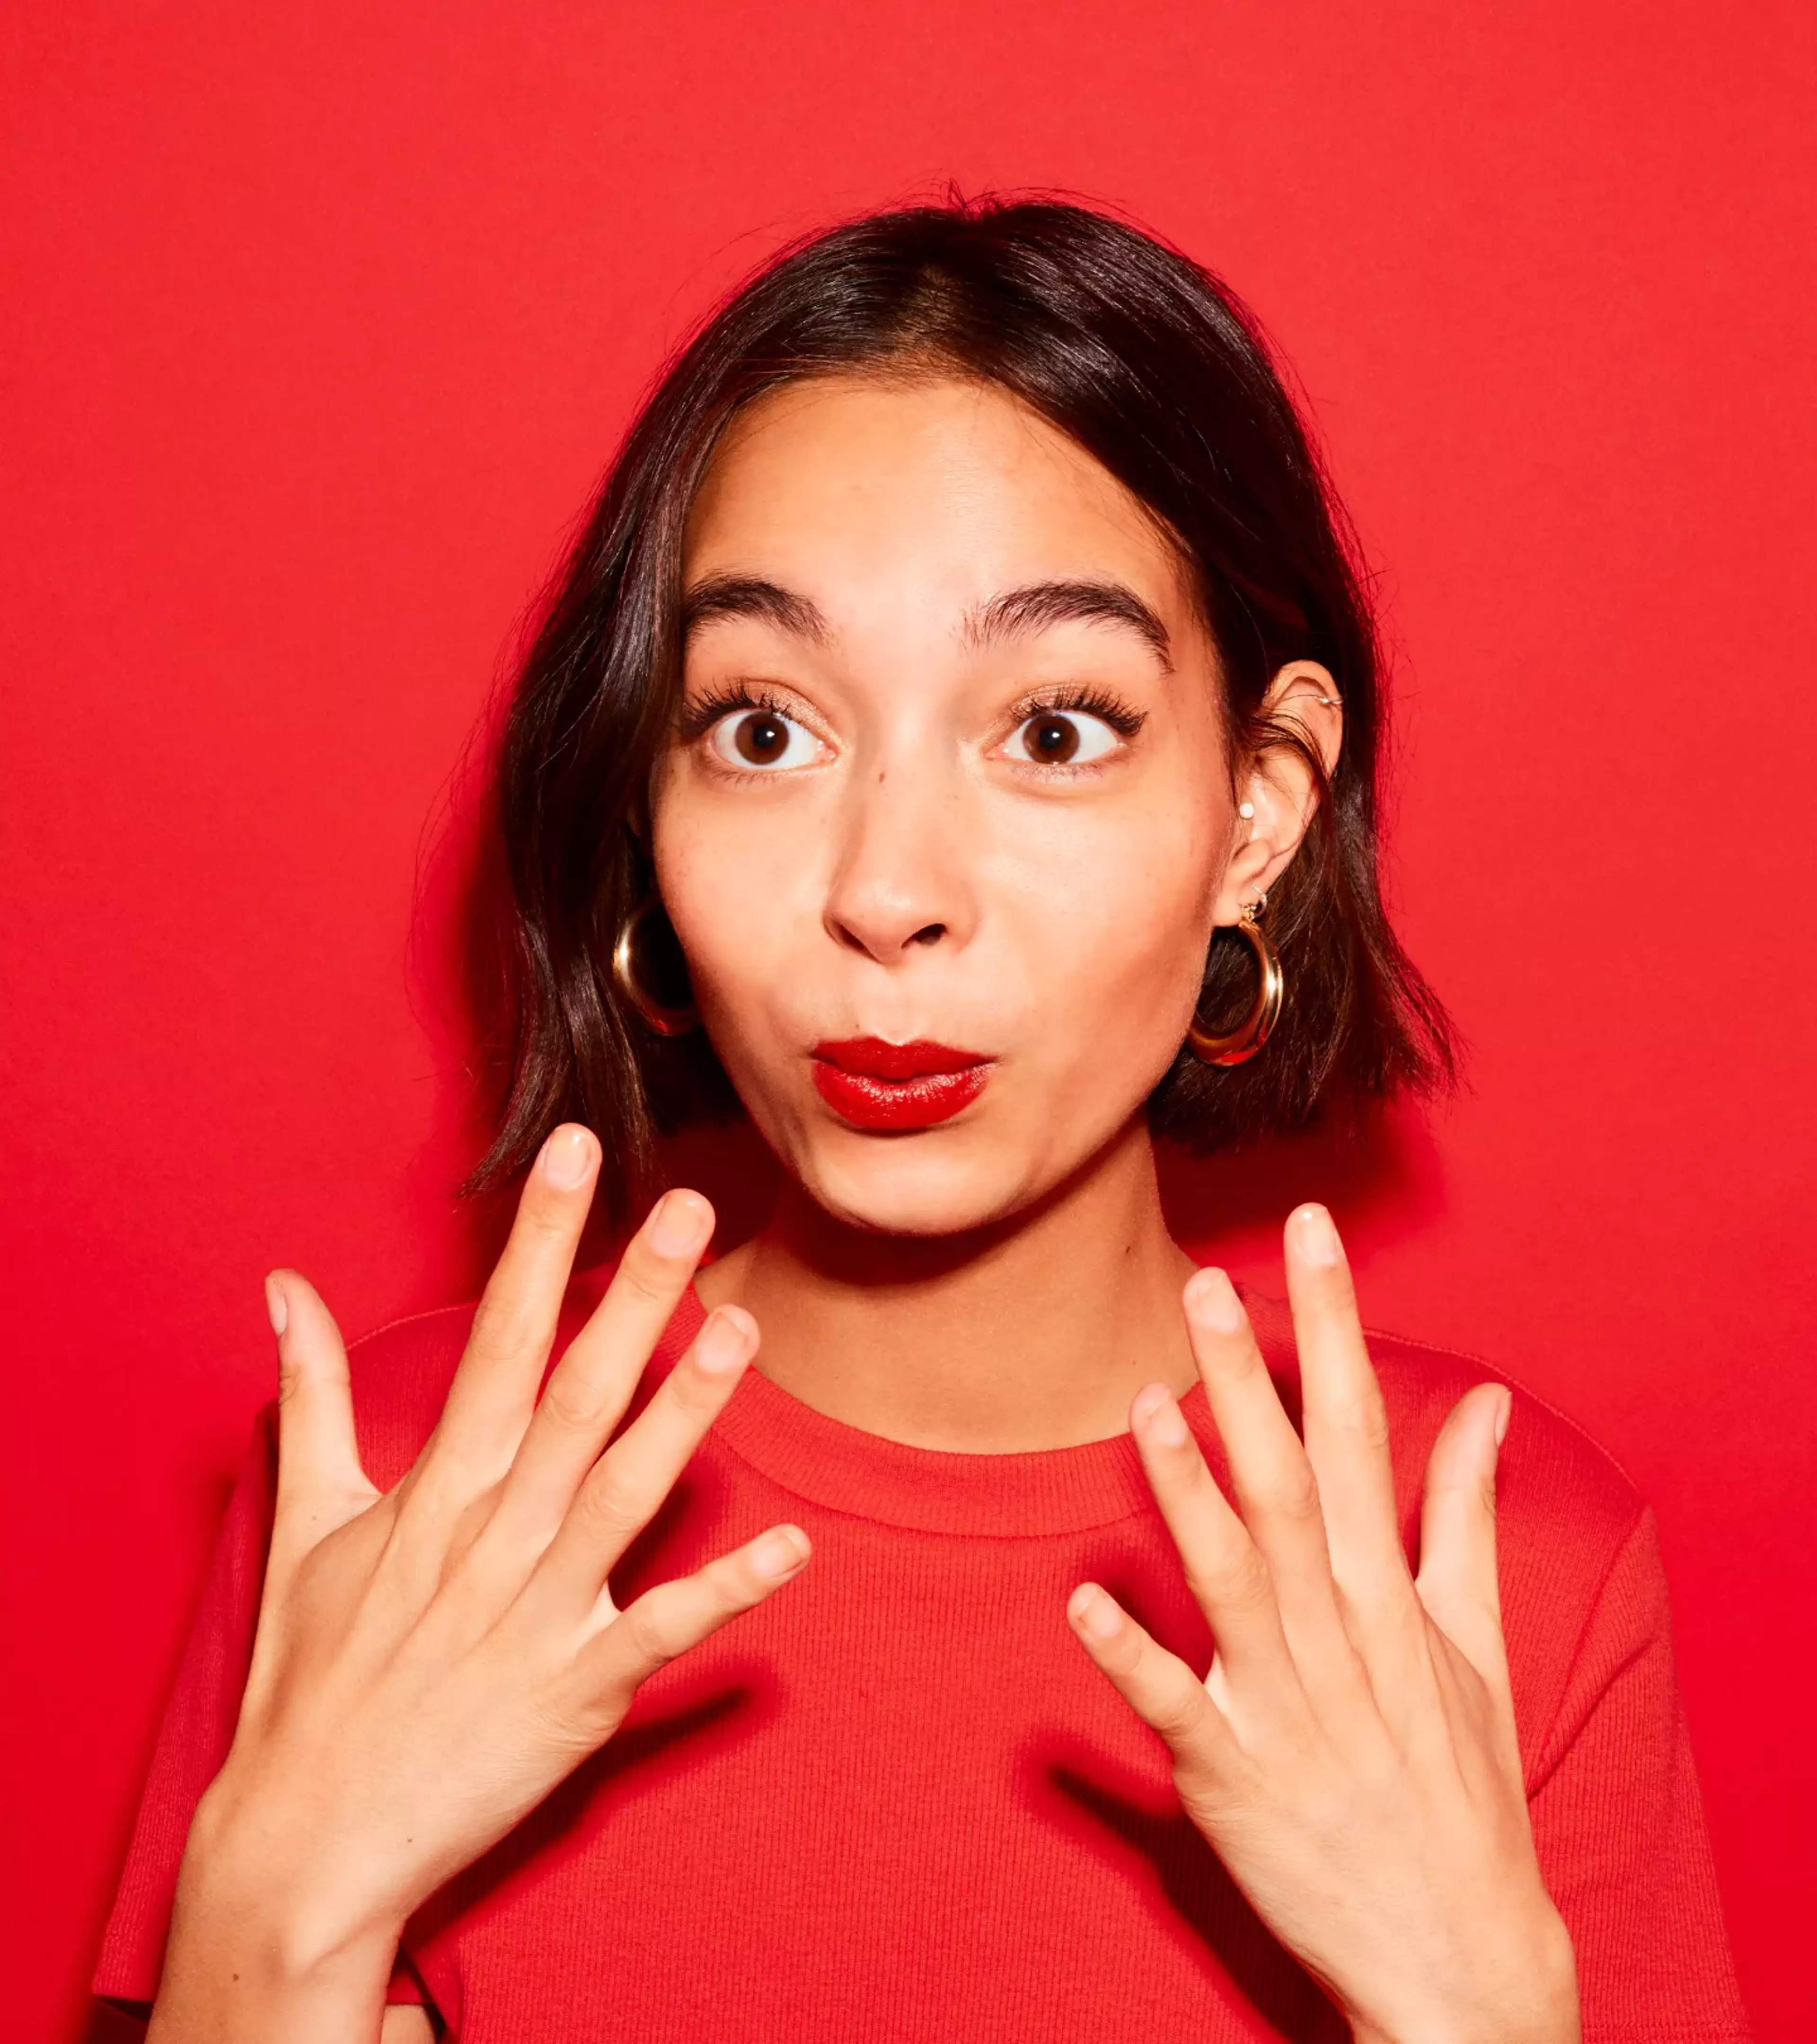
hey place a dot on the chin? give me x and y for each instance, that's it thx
(935, 1182)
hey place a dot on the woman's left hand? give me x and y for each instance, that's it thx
(1351, 1755)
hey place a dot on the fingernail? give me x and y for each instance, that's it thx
(781, 1552)
(1095, 1613)
(1318, 1236)
(1212, 1299)
(681, 1223)
(1504, 1412)
(567, 1157)
(1154, 1412)
(723, 1343)
(277, 1305)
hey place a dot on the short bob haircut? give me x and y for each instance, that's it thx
(1152, 365)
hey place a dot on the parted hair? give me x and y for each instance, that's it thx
(1153, 366)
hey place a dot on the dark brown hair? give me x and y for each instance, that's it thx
(1150, 364)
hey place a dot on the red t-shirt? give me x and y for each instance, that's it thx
(897, 1802)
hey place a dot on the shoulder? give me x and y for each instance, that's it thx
(1576, 1551)
(1555, 1485)
(1553, 1481)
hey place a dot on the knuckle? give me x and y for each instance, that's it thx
(1295, 1496)
(1241, 1584)
(434, 1496)
(611, 1505)
(546, 1217)
(498, 1327)
(646, 1640)
(1178, 1715)
(571, 1404)
(1243, 1363)
(1365, 1417)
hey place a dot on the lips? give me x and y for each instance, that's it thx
(892, 1087)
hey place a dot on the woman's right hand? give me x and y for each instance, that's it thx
(430, 1663)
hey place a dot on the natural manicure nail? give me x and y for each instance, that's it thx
(1318, 1236)
(722, 1344)
(1215, 1301)
(680, 1224)
(1095, 1613)
(567, 1157)
(781, 1552)
(1159, 1417)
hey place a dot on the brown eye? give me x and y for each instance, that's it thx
(1063, 738)
(1053, 739)
(762, 738)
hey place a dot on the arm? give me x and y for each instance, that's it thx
(430, 1663)
(1618, 1817)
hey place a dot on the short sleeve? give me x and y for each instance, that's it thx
(1619, 1824)
(193, 1738)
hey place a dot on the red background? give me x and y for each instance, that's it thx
(322, 320)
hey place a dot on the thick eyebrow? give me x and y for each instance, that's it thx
(750, 596)
(1042, 603)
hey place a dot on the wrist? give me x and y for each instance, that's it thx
(253, 1885)
(1535, 2002)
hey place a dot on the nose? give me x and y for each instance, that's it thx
(902, 881)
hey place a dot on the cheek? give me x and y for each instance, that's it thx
(1116, 918)
(736, 880)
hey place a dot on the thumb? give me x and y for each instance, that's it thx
(1457, 1581)
(321, 1483)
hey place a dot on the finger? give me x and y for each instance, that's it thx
(494, 1389)
(1457, 1581)
(673, 1617)
(1224, 1569)
(1277, 1491)
(625, 1487)
(1345, 1420)
(589, 1388)
(321, 1483)
(1158, 1686)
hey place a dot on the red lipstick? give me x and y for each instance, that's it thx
(896, 1086)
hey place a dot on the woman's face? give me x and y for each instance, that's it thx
(951, 772)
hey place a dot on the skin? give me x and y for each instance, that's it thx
(903, 861)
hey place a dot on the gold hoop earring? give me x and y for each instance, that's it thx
(655, 1016)
(1248, 1037)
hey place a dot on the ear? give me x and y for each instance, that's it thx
(1277, 787)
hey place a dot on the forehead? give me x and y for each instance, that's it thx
(955, 487)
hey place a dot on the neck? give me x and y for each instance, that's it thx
(1034, 1332)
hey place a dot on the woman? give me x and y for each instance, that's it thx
(953, 742)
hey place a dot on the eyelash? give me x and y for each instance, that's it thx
(1080, 696)
(698, 716)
